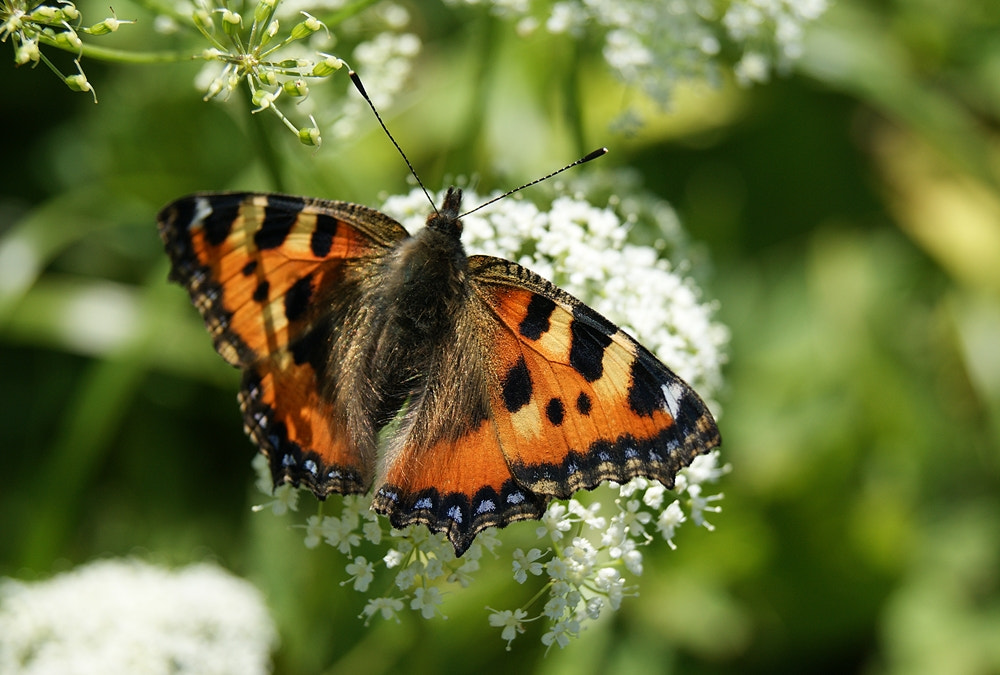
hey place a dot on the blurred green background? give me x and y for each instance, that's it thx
(851, 212)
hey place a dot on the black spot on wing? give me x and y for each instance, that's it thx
(517, 386)
(297, 298)
(645, 393)
(219, 223)
(279, 218)
(555, 411)
(249, 268)
(583, 403)
(536, 321)
(311, 348)
(586, 352)
(322, 237)
(260, 293)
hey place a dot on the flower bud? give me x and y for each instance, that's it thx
(269, 33)
(310, 136)
(263, 11)
(27, 51)
(263, 99)
(69, 11)
(329, 65)
(79, 82)
(231, 21)
(306, 28)
(109, 25)
(203, 21)
(46, 14)
(296, 87)
(68, 39)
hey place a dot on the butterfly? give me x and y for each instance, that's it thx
(465, 392)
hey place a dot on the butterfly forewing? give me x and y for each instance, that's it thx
(273, 276)
(577, 401)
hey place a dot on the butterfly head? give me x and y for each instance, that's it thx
(446, 218)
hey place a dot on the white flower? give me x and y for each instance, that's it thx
(557, 569)
(463, 574)
(525, 563)
(433, 569)
(393, 558)
(554, 523)
(512, 623)
(635, 485)
(657, 45)
(127, 616)
(372, 530)
(555, 607)
(699, 505)
(339, 533)
(427, 601)
(580, 558)
(389, 608)
(362, 572)
(314, 531)
(705, 469)
(588, 514)
(653, 497)
(594, 607)
(406, 578)
(670, 518)
(561, 633)
(286, 498)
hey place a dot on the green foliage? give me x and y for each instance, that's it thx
(849, 211)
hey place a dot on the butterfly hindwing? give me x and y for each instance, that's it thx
(444, 466)
(272, 277)
(575, 400)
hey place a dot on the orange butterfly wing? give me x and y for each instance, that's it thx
(273, 277)
(554, 398)
(578, 401)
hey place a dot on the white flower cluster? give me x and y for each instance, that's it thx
(583, 555)
(384, 62)
(654, 45)
(584, 249)
(586, 551)
(127, 616)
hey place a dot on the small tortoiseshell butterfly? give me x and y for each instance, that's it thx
(512, 391)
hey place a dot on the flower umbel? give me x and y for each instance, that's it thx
(656, 45)
(127, 616)
(247, 50)
(588, 550)
(28, 24)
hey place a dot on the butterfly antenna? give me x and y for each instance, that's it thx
(361, 88)
(594, 154)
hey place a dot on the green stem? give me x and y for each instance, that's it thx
(269, 156)
(121, 55)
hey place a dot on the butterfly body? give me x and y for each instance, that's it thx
(504, 391)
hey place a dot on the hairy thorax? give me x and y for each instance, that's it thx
(425, 286)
